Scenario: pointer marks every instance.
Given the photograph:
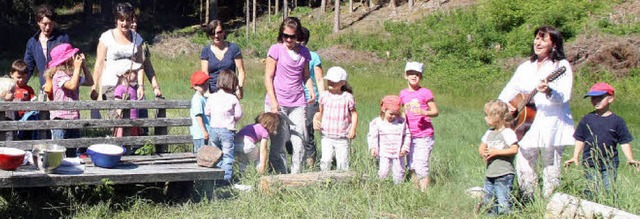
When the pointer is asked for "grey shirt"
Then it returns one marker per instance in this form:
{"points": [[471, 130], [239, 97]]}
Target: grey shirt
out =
{"points": [[500, 140]]}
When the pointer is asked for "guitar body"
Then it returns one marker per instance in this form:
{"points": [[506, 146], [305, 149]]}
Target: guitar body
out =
{"points": [[524, 117]]}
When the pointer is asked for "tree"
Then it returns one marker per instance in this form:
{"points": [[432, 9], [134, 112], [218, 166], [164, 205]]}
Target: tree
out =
{"points": [[246, 15], [277, 6], [336, 17], [253, 24], [323, 6], [269, 6], [392, 4], [350, 6], [285, 9], [410, 3]]}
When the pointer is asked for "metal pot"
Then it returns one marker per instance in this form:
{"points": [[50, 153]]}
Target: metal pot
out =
{"points": [[48, 157]]}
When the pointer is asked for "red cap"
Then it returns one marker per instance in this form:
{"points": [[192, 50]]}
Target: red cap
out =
{"points": [[390, 102], [600, 89], [198, 78]]}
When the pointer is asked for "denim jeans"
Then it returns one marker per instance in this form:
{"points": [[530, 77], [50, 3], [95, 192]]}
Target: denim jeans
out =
{"points": [[498, 190], [607, 175], [223, 139], [197, 144], [68, 134]]}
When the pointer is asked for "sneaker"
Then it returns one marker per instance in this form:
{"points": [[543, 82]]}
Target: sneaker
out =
{"points": [[244, 188]]}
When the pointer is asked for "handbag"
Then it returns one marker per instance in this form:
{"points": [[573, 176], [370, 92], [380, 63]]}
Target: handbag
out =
{"points": [[208, 156]]}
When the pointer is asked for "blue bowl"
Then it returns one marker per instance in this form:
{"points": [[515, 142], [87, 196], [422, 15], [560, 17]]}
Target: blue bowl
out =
{"points": [[105, 155]]}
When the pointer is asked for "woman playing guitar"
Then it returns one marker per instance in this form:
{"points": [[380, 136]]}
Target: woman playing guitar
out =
{"points": [[552, 125]]}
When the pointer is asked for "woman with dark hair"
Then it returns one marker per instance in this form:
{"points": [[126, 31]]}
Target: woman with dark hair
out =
{"points": [[117, 44], [286, 69], [39, 46], [221, 55], [552, 126]]}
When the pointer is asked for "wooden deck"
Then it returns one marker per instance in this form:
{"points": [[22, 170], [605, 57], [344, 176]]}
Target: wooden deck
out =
{"points": [[132, 169]]}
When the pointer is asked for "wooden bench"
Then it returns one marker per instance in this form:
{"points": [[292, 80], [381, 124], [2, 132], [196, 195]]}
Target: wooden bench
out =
{"points": [[160, 167]]}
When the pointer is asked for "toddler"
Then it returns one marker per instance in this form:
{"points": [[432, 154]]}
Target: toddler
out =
{"points": [[498, 148], [247, 138], [127, 72], [337, 119], [23, 92], [420, 107], [389, 139], [199, 128]]}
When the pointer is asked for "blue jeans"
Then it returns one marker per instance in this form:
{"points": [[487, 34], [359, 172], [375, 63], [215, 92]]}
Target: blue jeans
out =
{"points": [[68, 134], [223, 139], [498, 190], [608, 175], [197, 144]]}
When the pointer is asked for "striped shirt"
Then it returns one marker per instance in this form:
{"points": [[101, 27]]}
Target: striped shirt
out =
{"points": [[389, 138], [336, 114]]}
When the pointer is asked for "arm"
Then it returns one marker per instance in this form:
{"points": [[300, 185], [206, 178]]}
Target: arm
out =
{"points": [[317, 118], [151, 75], [237, 111], [560, 90], [241, 75], [626, 149], [101, 52], [354, 124], [482, 149], [319, 75], [576, 154], [28, 58], [406, 142], [200, 122], [269, 74], [509, 152], [372, 138], [88, 79], [432, 111], [308, 83], [262, 167], [139, 59], [74, 82]]}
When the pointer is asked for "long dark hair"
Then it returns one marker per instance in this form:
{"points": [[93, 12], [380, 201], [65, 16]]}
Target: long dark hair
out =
{"points": [[557, 51], [292, 22]]}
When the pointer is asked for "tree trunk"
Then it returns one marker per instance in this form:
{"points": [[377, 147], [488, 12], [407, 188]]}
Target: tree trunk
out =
{"points": [[246, 15], [336, 17], [253, 23], [201, 20], [206, 17], [87, 9], [392, 4], [285, 9], [277, 6], [410, 3], [323, 6], [350, 6], [269, 6]]}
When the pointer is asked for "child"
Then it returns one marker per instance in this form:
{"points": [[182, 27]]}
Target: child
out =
{"points": [[248, 136], [337, 119], [199, 123], [64, 69], [498, 148], [127, 72], [23, 92], [389, 139], [224, 110], [420, 107], [599, 133], [7, 89]]}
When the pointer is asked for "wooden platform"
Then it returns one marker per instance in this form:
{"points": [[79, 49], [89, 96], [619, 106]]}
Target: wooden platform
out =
{"points": [[132, 169]]}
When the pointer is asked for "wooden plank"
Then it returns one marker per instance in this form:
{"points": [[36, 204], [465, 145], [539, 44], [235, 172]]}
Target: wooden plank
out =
{"points": [[566, 206], [121, 174], [89, 104], [86, 142], [92, 123]]}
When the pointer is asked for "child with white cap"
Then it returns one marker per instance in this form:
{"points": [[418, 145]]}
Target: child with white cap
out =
{"points": [[420, 107], [336, 119]]}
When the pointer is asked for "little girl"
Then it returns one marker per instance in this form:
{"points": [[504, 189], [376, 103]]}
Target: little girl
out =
{"points": [[389, 139], [127, 72], [420, 107], [336, 119], [248, 136], [7, 89], [223, 109], [498, 148], [64, 69]]}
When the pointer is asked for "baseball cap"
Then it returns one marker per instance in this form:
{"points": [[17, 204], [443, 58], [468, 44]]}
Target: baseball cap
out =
{"points": [[390, 102], [600, 89], [198, 78], [414, 66], [336, 74]]}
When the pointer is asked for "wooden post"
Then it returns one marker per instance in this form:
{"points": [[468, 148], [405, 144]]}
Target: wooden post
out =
{"points": [[3, 135], [161, 113], [566, 206]]}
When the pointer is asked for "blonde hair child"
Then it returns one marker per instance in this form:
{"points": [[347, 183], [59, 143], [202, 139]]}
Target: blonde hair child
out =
{"points": [[246, 139], [498, 149], [7, 88]]}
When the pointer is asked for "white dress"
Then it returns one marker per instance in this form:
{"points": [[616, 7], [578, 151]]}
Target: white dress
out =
{"points": [[116, 51], [553, 123]]}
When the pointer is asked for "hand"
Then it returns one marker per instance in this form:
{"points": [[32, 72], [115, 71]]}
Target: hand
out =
{"points": [[239, 93], [157, 92], [403, 152], [312, 97], [572, 160], [140, 92], [351, 134], [635, 164], [543, 87], [94, 94], [206, 135], [416, 110], [317, 122], [78, 59], [261, 168], [275, 107], [374, 152], [512, 109], [489, 153]]}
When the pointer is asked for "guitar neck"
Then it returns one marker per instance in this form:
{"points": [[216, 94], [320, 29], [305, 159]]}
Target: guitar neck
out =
{"points": [[527, 100]]}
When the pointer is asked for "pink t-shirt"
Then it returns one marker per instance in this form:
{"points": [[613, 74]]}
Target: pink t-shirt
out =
{"points": [[223, 109], [289, 75], [255, 132], [419, 125], [62, 94]]}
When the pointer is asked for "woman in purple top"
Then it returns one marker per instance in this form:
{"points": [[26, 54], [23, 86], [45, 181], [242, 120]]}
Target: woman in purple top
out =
{"points": [[221, 55], [286, 70]]}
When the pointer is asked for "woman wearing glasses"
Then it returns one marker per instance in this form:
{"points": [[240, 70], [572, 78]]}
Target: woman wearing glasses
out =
{"points": [[221, 55], [286, 69]]}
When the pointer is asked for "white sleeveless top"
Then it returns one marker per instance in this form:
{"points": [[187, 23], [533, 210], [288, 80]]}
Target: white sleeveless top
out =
{"points": [[116, 51]]}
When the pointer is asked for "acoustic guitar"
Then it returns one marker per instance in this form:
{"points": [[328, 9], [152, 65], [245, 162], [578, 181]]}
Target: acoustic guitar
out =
{"points": [[526, 109]]}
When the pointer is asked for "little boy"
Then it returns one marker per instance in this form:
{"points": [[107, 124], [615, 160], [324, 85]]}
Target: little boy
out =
{"points": [[598, 133], [199, 122], [23, 92]]}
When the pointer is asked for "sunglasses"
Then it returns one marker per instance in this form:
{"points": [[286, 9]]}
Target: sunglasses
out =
{"points": [[285, 36], [218, 32]]}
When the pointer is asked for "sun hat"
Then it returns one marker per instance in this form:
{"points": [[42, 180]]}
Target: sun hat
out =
{"points": [[60, 54], [198, 78], [122, 66], [600, 89], [390, 102], [336, 74], [414, 66]]}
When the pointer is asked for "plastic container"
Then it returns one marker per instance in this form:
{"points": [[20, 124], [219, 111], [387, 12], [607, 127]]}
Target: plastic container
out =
{"points": [[11, 158], [105, 155]]}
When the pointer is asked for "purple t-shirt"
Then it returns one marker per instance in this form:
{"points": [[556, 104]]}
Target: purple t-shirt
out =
{"points": [[255, 132], [288, 79], [133, 95], [419, 125]]}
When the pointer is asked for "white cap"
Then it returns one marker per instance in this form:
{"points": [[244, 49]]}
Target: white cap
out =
{"points": [[336, 74], [414, 66], [124, 65]]}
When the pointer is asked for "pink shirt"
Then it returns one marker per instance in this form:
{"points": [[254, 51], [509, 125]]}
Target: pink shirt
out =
{"points": [[289, 75], [62, 94], [223, 110], [419, 125], [254, 132], [336, 114], [389, 138]]}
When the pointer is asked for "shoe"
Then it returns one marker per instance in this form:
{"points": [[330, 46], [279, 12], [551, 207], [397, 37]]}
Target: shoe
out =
{"points": [[311, 162], [478, 208], [244, 188]]}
